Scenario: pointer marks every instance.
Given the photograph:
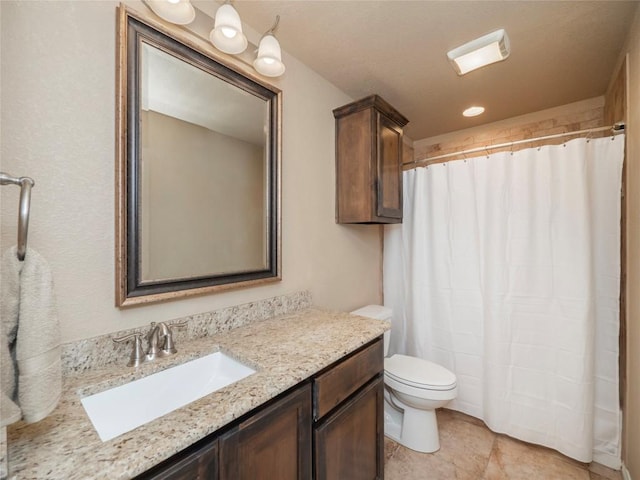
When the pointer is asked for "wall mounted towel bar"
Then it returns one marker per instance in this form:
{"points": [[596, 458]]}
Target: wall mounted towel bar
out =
{"points": [[25, 184]]}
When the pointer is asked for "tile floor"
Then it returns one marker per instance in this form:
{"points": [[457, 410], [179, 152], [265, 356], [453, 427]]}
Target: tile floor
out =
{"points": [[470, 451]]}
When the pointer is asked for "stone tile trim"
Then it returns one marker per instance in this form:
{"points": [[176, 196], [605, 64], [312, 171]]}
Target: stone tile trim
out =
{"points": [[91, 353], [493, 134]]}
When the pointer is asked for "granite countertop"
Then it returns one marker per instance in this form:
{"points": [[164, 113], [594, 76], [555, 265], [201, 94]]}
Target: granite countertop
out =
{"points": [[284, 350]]}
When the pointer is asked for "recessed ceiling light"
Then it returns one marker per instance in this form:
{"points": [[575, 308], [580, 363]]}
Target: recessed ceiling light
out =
{"points": [[473, 111], [482, 51]]}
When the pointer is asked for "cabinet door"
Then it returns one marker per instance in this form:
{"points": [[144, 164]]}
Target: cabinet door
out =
{"points": [[350, 443], [273, 444], [389, 168], [200, 463]]}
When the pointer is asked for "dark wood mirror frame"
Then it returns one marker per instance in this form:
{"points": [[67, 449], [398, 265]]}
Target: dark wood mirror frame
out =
{"points": [[133, 28]]}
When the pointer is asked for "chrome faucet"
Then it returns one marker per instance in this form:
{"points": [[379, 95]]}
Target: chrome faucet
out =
{"points": [[159, 343], [160, 339], [153, 340]]}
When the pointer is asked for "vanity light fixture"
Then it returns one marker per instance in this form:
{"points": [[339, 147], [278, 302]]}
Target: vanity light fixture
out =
{"points": [[491, 48], [269, 59], [473, 111], [227, 34], [180, 12]]}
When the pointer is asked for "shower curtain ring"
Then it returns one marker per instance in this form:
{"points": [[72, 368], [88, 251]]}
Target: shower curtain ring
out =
{"points": [[486, 150]]}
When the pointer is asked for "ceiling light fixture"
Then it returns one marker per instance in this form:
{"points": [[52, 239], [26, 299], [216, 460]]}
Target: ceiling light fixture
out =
{"points": [[269, 59], [482, 51], [473, 111], [180, 12], [227, 34]]}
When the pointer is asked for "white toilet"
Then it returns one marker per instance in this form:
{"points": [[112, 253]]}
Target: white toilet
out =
{"points": [[414, 388]]}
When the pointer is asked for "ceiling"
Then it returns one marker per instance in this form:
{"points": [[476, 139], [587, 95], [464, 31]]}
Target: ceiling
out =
{"points": [[561, 52], [178, 89]]}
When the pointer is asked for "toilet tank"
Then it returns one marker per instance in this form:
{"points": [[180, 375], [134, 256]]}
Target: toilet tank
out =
{"points": [[381, 313]]}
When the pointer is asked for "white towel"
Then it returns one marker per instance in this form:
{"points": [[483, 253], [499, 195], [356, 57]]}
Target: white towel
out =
{"points": [[10, 268], [33, 334]]}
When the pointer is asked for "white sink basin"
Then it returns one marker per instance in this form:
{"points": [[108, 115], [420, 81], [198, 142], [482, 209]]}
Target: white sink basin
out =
{"points": [[120, 409]]}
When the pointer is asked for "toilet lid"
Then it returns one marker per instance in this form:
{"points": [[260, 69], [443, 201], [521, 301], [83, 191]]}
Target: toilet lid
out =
{"points": [[419, 373]]}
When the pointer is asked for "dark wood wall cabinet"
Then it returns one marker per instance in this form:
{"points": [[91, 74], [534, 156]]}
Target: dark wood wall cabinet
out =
{"points": [[369, 162], [328, 427]]}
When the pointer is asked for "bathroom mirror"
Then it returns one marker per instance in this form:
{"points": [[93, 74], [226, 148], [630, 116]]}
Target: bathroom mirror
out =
{"points": [[198, 169]]}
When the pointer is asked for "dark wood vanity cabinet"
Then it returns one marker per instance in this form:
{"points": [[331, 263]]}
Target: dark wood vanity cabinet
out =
{"points": [[350, 442], [348, 418], [328, 427], [199, 462], [369, 162], [273, 444]]}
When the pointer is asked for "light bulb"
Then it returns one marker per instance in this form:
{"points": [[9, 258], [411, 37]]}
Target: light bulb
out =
{"points": [[269, 59], [180, 12], [229, 32]]}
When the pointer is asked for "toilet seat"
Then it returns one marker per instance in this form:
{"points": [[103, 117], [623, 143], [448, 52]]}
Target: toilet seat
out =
{"points": [[418, 373]]}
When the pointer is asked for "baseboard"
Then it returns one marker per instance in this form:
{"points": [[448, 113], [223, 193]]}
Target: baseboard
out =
{"points": [[611, 461], [625, 473]]}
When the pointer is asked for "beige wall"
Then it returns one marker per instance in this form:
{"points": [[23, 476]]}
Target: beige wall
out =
{"points": [[58, 89], [202, 213], [631, 430]]}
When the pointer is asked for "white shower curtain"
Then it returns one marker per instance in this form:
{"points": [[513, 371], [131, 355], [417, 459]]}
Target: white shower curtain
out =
{"points": [[506, 270]]}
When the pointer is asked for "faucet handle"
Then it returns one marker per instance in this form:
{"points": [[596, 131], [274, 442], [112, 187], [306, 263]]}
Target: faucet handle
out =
{"points": [[177, 325], [137, 355], [169, 345]]}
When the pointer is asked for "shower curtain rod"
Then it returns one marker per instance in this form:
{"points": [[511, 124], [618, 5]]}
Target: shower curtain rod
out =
{"points": [[615, 128]]}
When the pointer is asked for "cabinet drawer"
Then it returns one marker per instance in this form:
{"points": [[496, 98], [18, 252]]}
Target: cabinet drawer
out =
{"points": [[334, 386], [349, 444]]}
